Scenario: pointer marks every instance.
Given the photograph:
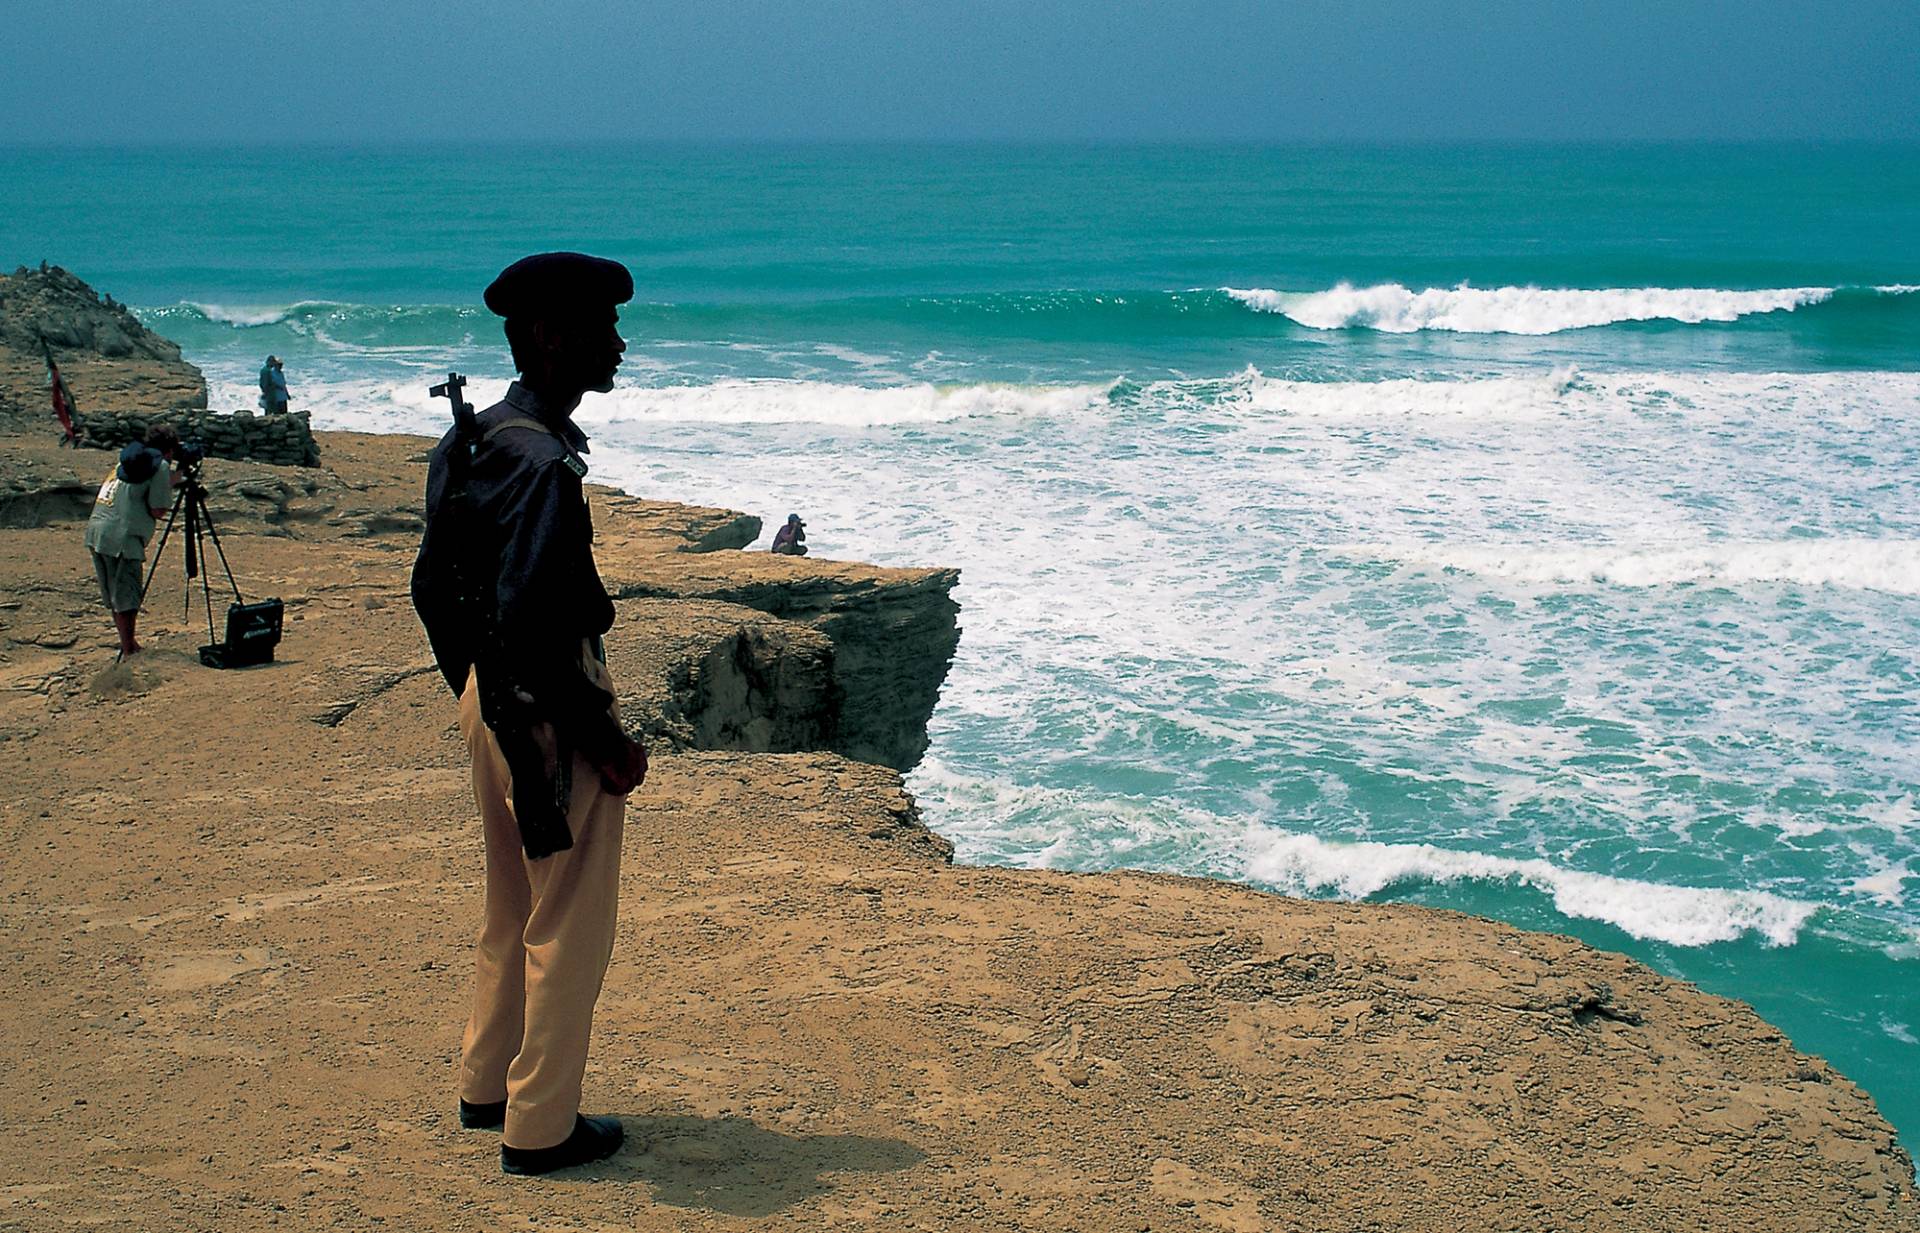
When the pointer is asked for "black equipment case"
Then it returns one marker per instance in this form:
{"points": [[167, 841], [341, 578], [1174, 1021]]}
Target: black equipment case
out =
{"points": [[253, 630]]}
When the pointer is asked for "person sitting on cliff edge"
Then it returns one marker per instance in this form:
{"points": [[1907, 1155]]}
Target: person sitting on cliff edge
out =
{"points": [[791, 539]]}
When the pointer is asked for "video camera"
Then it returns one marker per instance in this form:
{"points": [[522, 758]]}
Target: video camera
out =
{"points": [[253, 630]]}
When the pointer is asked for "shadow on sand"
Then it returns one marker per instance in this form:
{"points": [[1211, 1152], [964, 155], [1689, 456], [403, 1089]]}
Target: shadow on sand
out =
{"points": [[735, 1167]]}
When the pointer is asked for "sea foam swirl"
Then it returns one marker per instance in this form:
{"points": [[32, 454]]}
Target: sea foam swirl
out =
{"points": [[1889, 565], [1394, 309]]}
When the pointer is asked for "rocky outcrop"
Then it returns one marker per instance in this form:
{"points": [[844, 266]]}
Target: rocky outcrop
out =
{"points": [[51, 305], [108, 358], [625, 524], [756, 652], [891, 633], [34, 493], [279, 440], [699, 675], [894, 631]]}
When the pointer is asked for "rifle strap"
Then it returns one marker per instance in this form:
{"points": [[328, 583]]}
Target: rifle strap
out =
{"points": [[518, 421], [572, 460]]}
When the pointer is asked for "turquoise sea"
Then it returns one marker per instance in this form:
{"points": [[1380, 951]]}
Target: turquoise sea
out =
{"points": [[1533, 531]]}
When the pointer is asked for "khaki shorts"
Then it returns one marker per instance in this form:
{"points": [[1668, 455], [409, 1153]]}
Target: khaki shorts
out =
{"points": [[119, 581]]}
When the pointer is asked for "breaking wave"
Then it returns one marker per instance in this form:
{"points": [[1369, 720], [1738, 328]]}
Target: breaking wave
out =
{"points": [[1395, 309], [1068, 315], [248, 317], [1652, 911], [652, 390], [404, 406], [1039, 827]]}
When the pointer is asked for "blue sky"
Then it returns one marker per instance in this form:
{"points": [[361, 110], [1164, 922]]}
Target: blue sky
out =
{"points": [[109, 71]]}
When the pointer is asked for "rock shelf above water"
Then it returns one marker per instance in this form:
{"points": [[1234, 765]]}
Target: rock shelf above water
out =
{"points": [[238, 909]]}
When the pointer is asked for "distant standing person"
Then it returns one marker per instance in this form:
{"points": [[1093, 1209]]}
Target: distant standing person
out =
{"points": [[791, 540], [273, 387], [133, 498]]}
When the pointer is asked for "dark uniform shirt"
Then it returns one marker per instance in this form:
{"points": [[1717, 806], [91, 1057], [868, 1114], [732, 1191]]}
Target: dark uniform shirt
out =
{"points": [[506, 585], [525, 535]]}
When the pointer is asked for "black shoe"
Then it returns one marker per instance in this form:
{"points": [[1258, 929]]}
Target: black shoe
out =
{"points": [[483, 1117], [593, 1138]]}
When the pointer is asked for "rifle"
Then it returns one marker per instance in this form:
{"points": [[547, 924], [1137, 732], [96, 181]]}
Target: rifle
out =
{"points": [[454, 646], [463, 417], [542, 774]]}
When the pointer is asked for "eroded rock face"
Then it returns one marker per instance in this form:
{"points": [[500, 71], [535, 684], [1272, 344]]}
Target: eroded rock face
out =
{"points": [[754, 652], [109, 359], [625, 524], [894, 631], [34, 495], [700, 675], [772, 653]]}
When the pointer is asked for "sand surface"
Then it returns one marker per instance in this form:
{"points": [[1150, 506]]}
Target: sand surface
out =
{"points": [[237, 910]]}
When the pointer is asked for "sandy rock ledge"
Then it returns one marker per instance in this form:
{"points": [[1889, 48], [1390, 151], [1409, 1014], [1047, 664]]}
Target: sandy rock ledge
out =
{"points": [[238, 908]]}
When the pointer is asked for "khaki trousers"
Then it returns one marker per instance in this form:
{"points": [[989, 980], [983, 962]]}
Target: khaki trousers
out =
{"points": [[544, 944]]}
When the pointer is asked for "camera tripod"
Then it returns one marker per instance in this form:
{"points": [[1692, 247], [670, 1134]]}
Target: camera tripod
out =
{"points": [[199, 527]]}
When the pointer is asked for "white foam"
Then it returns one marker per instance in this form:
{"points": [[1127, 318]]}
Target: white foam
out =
{"points": [[820, 402], [1488, 398], [1890, 565], [251, 316], [1396, 309], [360, 406], [1887, 887], [1676, 915], [392, 406], [1152, 586], [1898, 288], [1560, 394]]}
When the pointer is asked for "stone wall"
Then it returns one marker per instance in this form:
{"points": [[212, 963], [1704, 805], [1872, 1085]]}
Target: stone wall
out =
{"points": [[283, 440]]}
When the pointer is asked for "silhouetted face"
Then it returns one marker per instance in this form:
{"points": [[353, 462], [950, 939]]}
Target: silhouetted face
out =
{"points": [[581, 353]]}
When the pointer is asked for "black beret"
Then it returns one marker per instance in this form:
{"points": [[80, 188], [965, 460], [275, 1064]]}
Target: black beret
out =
{"points": [[564, 283]]}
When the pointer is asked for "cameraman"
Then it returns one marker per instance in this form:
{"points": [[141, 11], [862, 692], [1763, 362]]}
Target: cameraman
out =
{"points": [[133, 498]]}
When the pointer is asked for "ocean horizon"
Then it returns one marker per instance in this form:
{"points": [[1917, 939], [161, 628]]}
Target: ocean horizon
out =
{"points": [[1529, 529]]}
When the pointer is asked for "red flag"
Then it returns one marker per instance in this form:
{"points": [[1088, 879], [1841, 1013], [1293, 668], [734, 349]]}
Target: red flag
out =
{"points": [[63, 407]]}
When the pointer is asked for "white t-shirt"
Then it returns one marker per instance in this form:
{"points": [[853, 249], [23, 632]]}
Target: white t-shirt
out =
{"points": [[122, 519]]}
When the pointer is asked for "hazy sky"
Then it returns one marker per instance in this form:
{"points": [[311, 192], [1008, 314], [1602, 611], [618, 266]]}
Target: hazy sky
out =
{"points": [[1042, 70]]}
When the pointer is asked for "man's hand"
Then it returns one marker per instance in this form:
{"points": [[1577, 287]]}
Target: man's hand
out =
{"points": [[625, 770]]}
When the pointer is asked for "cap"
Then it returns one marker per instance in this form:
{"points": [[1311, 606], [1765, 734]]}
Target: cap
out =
{"points": [[546, 283]]}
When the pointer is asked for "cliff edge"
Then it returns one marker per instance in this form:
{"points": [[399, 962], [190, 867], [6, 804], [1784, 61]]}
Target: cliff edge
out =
{"points": [[239, 904]]}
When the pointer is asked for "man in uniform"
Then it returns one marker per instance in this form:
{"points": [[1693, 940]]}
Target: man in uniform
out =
{"points": [[513, 606]]}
